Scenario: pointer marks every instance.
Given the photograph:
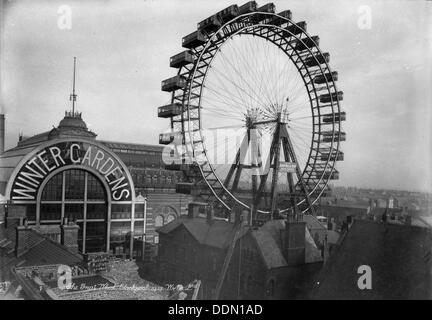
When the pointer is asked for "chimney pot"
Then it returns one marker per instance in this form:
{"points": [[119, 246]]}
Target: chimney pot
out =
{"points": [[210, 214], [69, 236], [194, 209], [294, 242], [22, 239]]}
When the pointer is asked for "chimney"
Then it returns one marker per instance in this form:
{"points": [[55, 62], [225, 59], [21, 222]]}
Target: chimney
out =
{"points": [[408, 220], [294, 242], [69, 235], [22, 242], [194, 209], [210, 214], [2, 133], [232, 216]]}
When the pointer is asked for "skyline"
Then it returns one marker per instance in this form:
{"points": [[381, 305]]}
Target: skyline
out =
{"points": [[123, 53]]}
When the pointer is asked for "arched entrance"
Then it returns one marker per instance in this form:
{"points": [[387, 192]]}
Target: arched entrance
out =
{"points": [[80, 196], [81, 180]]}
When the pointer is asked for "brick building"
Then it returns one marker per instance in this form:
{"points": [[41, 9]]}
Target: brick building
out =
{"points": [[275, 261], [117, 193]]}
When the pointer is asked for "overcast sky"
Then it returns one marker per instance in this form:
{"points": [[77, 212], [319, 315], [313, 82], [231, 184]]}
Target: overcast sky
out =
{"points": [[123, 50]]}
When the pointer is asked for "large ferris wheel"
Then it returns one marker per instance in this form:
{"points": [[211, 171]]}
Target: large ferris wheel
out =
{"points": [[255, 112]]}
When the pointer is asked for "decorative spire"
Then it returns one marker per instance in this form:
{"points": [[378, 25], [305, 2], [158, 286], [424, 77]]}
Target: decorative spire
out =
{"points": [[73, 96]]}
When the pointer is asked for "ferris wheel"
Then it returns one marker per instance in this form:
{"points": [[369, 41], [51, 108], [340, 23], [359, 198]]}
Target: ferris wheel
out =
{"points": [[256, 111]]}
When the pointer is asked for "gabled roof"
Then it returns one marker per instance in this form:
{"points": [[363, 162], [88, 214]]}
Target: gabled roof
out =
{"points": [[268, 237], [45, 251], [312, 222], [400, 258], [40, 250], [270, 241], [218, 233]]}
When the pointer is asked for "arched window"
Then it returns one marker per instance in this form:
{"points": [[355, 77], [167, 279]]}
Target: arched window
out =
{"points": [[249, 284], [270, 288], [170, 218], [242, 282], [159, 221], [70, 194], [214, 263]]}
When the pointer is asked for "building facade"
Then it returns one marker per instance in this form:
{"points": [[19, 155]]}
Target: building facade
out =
{"points": [[278, 260], [117, 193]]}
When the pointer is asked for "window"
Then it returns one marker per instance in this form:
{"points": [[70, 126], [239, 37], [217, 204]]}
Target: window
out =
{"points": [[156, 239], [96, 211], [51, 211], [95, 190], [170, 218], [70, 194], [249, 287], [74, 211], [182, 254], [75, 180], [121, 211], [242, 282], [159, 221], [53, 189], [139, 211], [214, 263], [270, 288]]}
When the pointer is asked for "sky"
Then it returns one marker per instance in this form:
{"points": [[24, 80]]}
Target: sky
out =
{"points": [[382, 51]]}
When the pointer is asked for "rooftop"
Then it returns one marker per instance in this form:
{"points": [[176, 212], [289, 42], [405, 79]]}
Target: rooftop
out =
{"points": [[220, 233], [399, 257]]}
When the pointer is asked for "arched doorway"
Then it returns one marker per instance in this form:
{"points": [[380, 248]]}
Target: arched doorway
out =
{"points": [[80, 196]]}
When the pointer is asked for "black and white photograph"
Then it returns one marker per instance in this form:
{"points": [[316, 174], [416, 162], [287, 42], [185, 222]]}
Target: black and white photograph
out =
{"points": [[213, 150]]}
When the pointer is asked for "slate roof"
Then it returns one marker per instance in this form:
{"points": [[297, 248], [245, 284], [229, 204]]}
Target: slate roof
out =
{"points": [[220, 234], [269, 240], [312, 222], [40, 251], [45, 251], [332, 236], [400, 258]]}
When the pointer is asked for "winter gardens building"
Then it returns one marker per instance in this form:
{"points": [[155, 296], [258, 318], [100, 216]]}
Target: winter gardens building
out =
{"points": [[117, 193]]}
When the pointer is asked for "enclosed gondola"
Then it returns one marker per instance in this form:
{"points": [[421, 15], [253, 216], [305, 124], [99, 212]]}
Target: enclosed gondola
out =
{"points": [[318, 59], [278, 21], [267, 8], [228, 13], [181, 59], [297, 28], [335, 96], [327, 136], [307, 43], [166, 138], [174, 83], [329, 76], [331, 118], [193, 40], [210, 24], [170, 110], [248, 7]]}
